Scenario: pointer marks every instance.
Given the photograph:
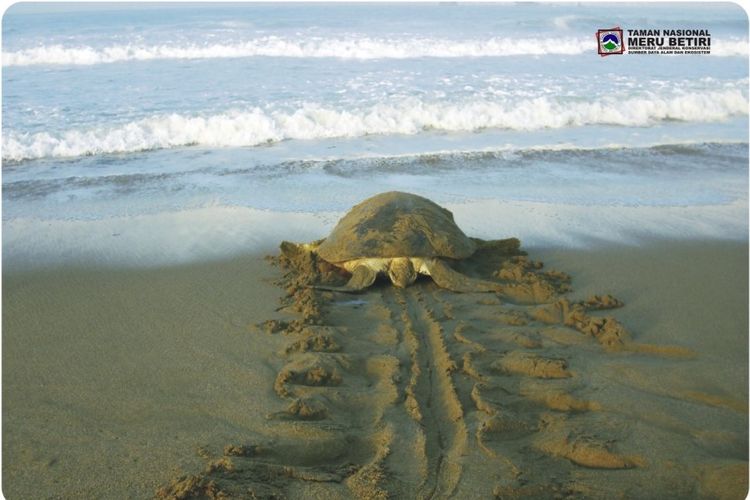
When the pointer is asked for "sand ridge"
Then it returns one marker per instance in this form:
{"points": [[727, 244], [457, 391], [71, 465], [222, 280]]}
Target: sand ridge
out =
{"points": [[425, 393]]}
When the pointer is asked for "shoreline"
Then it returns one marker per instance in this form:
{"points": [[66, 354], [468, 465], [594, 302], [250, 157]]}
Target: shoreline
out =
{"points": [[117, 377], [221, 233]]}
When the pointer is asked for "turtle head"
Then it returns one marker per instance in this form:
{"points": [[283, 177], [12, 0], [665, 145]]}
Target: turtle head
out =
{"points": [[293, 250], [402, 272]]}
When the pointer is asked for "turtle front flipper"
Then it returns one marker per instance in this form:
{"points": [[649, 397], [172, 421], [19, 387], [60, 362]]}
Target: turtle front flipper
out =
{"points": [[447, 278], [362, 277]]}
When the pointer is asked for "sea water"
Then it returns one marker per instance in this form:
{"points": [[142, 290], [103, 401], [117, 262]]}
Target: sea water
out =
{"points": [[149, 134]]}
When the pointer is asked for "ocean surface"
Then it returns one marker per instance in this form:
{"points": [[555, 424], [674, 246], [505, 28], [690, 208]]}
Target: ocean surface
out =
{"points": [[150, 134]]}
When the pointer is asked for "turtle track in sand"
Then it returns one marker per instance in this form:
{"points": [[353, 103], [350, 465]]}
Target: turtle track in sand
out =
{"points": [[424, 393], [431, 398]]}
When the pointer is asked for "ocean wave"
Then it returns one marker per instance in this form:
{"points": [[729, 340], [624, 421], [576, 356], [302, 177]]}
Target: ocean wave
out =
{"points": [[311, 121], [345, 48], [272, 46]]}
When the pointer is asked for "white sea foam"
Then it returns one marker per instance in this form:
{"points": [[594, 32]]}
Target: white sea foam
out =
{"points": [[407, 116], [564, 22], [359, 47], [273, 46]]}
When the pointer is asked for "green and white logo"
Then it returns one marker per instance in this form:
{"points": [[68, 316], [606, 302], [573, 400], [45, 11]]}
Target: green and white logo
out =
{"points": [[610, 41]]}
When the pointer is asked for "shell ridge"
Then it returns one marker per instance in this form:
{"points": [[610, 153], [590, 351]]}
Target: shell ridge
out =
{"points": [[396, 224]]}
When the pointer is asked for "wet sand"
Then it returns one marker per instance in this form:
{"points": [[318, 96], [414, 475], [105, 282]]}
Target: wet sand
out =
{"points": [[173, 381], [113, 379]]}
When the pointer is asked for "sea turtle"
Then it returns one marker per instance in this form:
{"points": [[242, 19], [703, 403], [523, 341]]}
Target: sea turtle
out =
{"points": [[401, 235]]}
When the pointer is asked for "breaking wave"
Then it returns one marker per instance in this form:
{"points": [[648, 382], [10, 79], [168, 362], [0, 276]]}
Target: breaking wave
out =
{"points": [[345, 48], [258, 126], [273, 46]]}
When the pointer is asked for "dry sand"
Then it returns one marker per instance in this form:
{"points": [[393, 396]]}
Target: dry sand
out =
{"points": [[186, 381]]}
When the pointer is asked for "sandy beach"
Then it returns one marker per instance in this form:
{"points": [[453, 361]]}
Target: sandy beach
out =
{"points": [[112, 379], [549, 250], [173, 381]]}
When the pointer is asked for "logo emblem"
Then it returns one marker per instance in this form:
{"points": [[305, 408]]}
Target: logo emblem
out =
{"points": [[610, 41]]}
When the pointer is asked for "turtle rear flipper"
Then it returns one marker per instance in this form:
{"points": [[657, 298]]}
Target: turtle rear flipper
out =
{"points": [[362, 277], [447, 278]]}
